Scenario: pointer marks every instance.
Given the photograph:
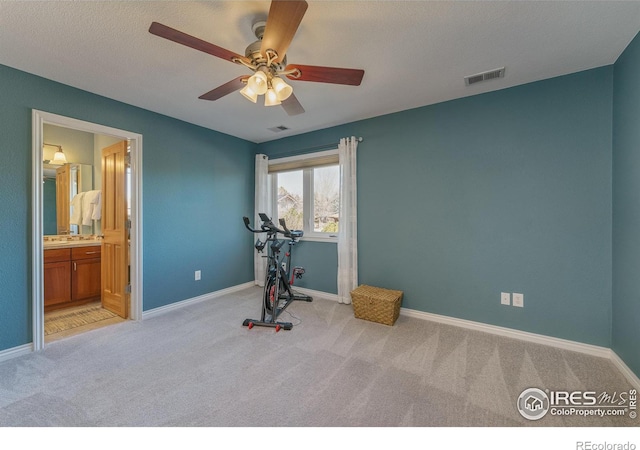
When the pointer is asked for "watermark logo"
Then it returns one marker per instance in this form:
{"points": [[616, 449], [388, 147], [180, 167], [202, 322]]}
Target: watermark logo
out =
{"points": [[588, 445], [534, 403]]}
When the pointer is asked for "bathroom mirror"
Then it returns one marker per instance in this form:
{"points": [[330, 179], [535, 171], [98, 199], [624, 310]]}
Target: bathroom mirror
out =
{"points": [[61, 185], [83, 153]]}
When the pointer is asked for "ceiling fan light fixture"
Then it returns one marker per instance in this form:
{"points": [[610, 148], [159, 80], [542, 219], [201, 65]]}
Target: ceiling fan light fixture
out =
{"points": [[258, 82], [271, 98], [282, 89], [249, 94], [266, 58]]}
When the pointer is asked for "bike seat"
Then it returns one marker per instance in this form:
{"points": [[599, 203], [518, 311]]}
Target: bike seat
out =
{"points": [[296, 234]]}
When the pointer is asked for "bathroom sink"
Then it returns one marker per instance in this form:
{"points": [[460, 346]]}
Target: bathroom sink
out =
{"points": [[72, 243]]}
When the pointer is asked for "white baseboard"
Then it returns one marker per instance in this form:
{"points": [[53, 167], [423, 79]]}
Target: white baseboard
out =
{"points": [[594, 350], [28, 348], [602, 352], [190, 301], [564, 344], [318, 294], [628, 373], [14, 352]]}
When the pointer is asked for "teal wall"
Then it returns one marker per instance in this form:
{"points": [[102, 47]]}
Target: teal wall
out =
{"points": [[626, 207], [531, 189], [197, 185], [506, 191], [320, 261]]}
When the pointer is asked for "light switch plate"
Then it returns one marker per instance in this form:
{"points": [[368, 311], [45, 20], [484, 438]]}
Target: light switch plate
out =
{"points": [[505, 298]]}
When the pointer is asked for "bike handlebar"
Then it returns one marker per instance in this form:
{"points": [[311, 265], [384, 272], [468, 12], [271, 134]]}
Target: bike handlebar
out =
{"points": [[268, 227], [293, 234], [246, 224], [283, 224]]}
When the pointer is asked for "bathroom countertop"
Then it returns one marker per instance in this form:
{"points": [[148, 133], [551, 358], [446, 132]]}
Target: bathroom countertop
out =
{"points": [[70, 244]]}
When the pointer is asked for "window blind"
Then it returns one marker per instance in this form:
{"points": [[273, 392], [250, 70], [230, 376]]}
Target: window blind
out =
{"points": [[303, 163]]}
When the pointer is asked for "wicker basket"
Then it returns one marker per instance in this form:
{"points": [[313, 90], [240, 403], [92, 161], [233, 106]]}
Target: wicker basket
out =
{"points": [[376, 304]]}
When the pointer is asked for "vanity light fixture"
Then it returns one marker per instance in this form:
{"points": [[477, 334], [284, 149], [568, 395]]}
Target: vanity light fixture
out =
{"points": [[59, 158]]}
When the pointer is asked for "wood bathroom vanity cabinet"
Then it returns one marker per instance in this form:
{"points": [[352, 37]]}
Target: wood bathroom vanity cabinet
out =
{"points": [[71, 276]]}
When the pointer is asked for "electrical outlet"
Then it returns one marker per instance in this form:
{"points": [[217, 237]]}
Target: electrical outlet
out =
{"points": [[518, 300], [505, 298], [198, 275]]}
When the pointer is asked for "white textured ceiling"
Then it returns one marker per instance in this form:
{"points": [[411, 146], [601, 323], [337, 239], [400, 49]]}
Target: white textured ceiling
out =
{"points": [[414, 53]]}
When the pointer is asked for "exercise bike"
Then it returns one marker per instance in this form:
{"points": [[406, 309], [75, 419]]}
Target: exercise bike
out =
{"points": [[279, 276]]}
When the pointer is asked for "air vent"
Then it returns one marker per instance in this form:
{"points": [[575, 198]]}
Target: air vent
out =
{"points": [[278, 129], [484, 76]]}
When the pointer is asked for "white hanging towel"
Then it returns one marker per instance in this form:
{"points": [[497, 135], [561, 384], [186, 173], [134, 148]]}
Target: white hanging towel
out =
{"points": [[89, 203], [76, 209], [96, 214]]}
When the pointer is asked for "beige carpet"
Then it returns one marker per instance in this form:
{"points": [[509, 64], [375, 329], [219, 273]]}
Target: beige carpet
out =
{"points": [[198, 366], [67, 319]]}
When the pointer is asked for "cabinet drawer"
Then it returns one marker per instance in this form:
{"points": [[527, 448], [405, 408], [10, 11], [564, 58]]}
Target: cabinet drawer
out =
{"points": [[85, 252], [57, 254]]}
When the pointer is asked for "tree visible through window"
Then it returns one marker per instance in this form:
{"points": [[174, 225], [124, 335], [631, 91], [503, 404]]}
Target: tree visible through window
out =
{"points": [[309, 199], [326, 199], [290, 199]]}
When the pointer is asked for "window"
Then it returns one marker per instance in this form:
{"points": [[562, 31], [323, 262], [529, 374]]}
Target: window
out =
{"points": [[306, 191], [290, 198]]}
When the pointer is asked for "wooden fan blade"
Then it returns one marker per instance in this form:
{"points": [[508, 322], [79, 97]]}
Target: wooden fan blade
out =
{"points": [[225, 89], [282, 23], [198, 44], [292, 106], [336, 75]]}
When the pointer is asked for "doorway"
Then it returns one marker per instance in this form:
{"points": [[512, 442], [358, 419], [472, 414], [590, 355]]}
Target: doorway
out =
{"points": [[41, 119]]}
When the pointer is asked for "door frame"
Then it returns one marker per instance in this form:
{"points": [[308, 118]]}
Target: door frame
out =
{"points": [[39, 118]]}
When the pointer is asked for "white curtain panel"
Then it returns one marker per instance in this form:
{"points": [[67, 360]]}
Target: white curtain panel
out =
{"points": [[348, 231], [262, 205]]}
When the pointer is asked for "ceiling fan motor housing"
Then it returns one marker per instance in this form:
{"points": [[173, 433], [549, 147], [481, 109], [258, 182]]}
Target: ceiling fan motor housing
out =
{"points": [[253, 51], [254, 54]]}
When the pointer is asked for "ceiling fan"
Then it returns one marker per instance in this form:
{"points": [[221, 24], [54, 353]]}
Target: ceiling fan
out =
{"points": [[267, 58]]}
